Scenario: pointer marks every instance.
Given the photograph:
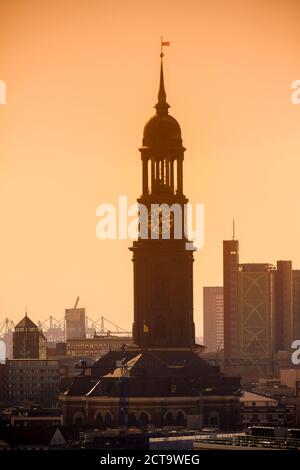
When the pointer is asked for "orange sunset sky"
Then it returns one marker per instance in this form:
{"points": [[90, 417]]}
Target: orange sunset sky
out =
{"points": [[82, 80]]}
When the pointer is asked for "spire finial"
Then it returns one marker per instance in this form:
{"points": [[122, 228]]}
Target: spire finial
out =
{"points": [[233, 229], [162, 105]]}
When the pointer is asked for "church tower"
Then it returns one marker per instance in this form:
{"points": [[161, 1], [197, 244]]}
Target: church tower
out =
{"points": [[161, 380], [162, 263]]}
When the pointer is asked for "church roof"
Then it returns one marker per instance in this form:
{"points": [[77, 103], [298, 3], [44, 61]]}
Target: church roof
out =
{"points": [[81, 385], [151, 373]]}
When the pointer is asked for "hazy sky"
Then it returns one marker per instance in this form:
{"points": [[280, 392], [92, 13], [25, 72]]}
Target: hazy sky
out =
{"points": [[82, 80]]}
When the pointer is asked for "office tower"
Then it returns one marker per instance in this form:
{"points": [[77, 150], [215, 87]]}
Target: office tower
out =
{"points": [[283, 318], [230, 292], [256, 297], [213, 318]]}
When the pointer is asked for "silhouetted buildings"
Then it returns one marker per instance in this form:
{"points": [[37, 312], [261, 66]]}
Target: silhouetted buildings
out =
{"points": [[28, 341], [2, 383], [33, 438], [213, 318], [260, 410], [255, 313], [296, 302], [285, 388], [97, 346], [261, 314], [230, 293], [161, 380], [283, 315], [32, 381]]}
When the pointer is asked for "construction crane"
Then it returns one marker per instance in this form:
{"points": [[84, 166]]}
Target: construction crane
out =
{"points": [[53, 329], [50, 323], [100, 327], [6, 326]]}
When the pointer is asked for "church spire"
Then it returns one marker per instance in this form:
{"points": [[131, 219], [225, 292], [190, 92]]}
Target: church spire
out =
{"points": [[162, 106]]}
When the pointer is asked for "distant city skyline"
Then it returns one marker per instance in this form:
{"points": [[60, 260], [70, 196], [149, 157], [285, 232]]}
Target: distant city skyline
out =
{"points": [[71, 129]]}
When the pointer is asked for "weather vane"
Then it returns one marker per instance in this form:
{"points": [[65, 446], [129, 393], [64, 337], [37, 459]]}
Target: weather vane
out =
{"points": [[163, 44]]}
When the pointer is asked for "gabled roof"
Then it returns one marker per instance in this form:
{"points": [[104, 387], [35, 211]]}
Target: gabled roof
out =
{"points": [[257, 398], [57, 438]]}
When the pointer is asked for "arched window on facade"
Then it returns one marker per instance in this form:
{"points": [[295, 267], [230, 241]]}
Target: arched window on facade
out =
{"points": [[143, 420], [107, 420], [169, 419], [131, 420], [180, 419], [79, 418]]}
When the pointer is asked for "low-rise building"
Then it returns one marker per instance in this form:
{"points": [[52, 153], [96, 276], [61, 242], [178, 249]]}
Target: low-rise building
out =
{"points": [[291, 378], [32, 381], [97, 346], [32, 438], [258, 409], [36, 417]]}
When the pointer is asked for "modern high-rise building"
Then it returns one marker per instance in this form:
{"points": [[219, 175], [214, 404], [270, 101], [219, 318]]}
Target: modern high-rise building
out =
{"points": [[213, 318], [296, 303], [230, 292], [256, 309], [261, 312]]}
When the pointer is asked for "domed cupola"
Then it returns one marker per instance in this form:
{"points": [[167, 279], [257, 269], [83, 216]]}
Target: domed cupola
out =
{"points": [[162, 131]]}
